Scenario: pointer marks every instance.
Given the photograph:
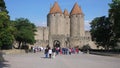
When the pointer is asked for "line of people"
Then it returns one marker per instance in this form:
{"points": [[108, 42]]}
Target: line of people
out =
{"points": [[51, 53]]}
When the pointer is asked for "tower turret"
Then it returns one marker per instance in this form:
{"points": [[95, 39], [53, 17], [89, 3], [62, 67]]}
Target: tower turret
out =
{"points": [[66, 12], [76, 22], [55, 21], [77, 31]]}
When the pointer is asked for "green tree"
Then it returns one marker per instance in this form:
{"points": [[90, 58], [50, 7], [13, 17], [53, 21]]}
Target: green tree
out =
{"points": [[101, 31], [25, 31], [6, 37], [2, 6], [114, 15]]}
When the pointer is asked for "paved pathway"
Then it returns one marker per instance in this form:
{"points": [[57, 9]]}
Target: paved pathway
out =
{"points": [[36, 60]]}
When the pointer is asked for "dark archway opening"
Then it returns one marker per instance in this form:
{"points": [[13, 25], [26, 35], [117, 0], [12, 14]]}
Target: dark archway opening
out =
{"points": [[56, 43]]}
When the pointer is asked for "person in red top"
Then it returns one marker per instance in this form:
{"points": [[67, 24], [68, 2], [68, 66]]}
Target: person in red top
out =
{"points": [[77, 50], [60, 51]]}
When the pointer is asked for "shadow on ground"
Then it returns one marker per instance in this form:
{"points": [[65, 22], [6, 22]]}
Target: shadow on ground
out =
{"points": [[3, 62]]}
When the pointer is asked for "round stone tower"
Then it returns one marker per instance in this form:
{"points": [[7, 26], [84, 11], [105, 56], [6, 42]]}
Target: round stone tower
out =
{"points": [[53, 18], [55, 22], [76, 22], [77, 31]]}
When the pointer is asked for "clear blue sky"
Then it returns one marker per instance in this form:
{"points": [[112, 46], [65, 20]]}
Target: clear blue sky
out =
{"points": [[36, 10]]}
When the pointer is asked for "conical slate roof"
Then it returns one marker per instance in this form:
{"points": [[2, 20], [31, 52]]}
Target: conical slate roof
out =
{"points": [[66, 12], [76, 10], [55, 9]]}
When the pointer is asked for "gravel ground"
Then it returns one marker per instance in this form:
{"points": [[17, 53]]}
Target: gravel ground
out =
{"points": [[37, 60]]}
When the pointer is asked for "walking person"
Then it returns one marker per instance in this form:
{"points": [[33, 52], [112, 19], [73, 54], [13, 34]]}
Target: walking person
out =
{"points": [[70, 50], [46, 53], [77, 50], [50, 52], [54, 52]]}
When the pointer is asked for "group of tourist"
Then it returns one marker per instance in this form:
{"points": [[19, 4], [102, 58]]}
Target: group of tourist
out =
{"points": [[36, 49], [51, 53]]}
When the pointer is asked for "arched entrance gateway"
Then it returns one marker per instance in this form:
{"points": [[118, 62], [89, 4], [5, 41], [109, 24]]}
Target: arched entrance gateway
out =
{"points": [[56, 43]]}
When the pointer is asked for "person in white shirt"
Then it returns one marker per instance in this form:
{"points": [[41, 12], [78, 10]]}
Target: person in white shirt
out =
{"points": [[50, 52]]}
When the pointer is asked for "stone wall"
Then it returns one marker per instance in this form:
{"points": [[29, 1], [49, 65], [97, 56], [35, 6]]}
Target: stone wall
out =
{"points": [[46, 33], [39, 33], [41, 36], [88, 35], [67, 26]]}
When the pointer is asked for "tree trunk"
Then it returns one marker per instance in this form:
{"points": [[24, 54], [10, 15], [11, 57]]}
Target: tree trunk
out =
{"points": [[19, 45]]}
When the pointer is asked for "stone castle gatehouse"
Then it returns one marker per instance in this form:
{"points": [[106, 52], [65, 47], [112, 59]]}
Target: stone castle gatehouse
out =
{"points": [[64, 29]]}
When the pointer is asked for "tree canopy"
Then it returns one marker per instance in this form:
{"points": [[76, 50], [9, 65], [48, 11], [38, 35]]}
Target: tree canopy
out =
{"points": [[106, 30], [101, 31], [2, 6], [25, 31], [6, 37], [21, 30], [114, 15]]}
